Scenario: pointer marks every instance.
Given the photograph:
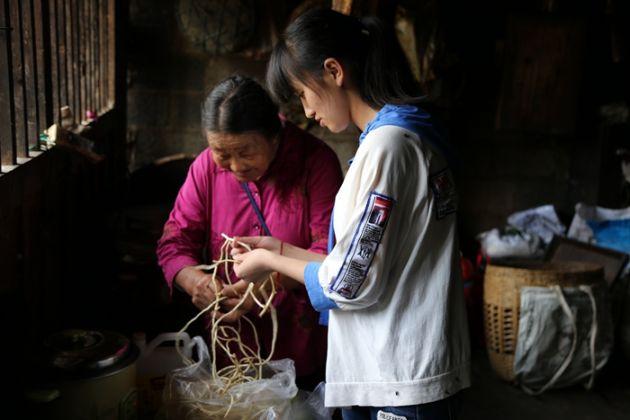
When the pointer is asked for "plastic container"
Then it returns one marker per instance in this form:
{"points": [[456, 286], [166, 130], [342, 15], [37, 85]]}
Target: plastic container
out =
{"points": [[157, 359]]}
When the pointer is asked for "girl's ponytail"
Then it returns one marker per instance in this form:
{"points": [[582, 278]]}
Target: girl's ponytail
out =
{"points": [[367, 48], [387, 77]]}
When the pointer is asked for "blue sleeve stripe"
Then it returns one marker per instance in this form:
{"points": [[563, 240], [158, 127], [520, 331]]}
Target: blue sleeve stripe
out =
{"points": [[319, 300]]}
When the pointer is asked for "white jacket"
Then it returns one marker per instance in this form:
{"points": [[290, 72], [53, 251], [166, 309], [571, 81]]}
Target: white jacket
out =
{"points": [[399, 336]]}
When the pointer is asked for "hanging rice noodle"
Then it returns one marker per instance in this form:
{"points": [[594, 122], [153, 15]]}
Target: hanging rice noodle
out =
{"points": [[251, 386]]}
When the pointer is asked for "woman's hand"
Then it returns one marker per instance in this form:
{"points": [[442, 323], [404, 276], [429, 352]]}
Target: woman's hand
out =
{"points": [[204, 290], [253, 266], [234, 294]]}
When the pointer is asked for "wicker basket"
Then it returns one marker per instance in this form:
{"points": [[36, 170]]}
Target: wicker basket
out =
{"points": [[501, 299]]}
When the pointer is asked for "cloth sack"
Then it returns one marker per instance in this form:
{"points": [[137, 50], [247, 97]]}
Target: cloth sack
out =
{"points": [[565, 336]]}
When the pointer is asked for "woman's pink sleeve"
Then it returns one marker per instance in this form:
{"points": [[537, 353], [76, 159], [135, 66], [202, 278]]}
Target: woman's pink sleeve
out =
{"points": [[324, 180], [184, 234]]}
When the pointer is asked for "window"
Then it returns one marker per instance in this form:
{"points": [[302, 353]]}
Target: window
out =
{"points": [[53, 54]]}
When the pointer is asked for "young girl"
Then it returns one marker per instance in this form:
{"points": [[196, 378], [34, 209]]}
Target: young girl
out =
{"points": [[397, 343]]}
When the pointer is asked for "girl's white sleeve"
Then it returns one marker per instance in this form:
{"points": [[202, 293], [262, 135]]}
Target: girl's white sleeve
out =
{"points": [[382, 179]]}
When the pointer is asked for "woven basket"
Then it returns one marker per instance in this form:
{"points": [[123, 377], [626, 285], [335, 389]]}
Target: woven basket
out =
{"points": [[501, 299]]}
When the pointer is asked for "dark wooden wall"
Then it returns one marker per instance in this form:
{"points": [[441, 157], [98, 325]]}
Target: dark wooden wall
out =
{"points": [[57, 227]]}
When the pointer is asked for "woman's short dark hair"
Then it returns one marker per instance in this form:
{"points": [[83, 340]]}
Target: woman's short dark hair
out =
{"points": [[367, 48], [239, 104]]}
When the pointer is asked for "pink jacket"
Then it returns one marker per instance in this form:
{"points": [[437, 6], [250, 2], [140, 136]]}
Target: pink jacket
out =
{"points": [[296, 197]]}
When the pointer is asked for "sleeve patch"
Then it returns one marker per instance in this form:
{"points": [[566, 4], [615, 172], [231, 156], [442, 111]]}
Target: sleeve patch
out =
{"points": [[444, 193], [365, 242]]}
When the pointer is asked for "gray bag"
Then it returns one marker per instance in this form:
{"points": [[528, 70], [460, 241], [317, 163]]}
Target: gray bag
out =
{"points": [[564, 337]]}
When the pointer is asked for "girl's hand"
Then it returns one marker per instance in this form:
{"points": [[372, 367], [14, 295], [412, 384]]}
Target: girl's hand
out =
{"points": [[256, 242], [252, 266], [205, 290]]}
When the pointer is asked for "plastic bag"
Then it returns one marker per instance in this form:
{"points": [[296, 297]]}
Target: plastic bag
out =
{"points": [[564, 336], [315, 402], [510, 243], [310, 405], [540, 221], [191, 392], [609, 228]]}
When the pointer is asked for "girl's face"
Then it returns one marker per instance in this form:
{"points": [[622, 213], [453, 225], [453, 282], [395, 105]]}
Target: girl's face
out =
{"points": [[246, 155], [326, 102]]}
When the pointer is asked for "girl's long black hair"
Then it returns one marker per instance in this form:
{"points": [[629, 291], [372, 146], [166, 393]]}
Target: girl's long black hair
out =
{"points": [[367, 48], [239, 104]]}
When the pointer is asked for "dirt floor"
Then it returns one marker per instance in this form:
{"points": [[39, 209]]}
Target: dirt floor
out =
{"points": [[489, 398]]}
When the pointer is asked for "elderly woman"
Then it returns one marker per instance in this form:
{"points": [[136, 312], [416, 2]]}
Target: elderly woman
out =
{"points": [[261, 175]]}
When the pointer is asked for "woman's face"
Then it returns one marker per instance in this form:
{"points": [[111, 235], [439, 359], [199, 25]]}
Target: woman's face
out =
{"points": [[326, 102], [246, 155]]}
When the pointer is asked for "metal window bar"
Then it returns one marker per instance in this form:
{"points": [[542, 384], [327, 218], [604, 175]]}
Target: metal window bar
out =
{"points": [[73, 67], [44, 73], [97, 55], [19, 85], [63, 58], [89, 19], [31, 103], [54, 83], [7, 127], [81, 50], [111, 52]]}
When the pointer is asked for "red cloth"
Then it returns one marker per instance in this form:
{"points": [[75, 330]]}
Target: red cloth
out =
{"points": [[296, 197]]}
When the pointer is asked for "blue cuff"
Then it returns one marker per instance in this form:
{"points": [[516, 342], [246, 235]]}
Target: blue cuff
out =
{"points": [[319, 300], [323, 318]]}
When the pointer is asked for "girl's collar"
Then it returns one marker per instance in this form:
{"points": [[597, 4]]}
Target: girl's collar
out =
{"points": [[386, 109]]}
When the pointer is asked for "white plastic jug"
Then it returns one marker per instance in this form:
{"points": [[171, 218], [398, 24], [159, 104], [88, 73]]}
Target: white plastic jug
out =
{"points": [[156, 360]]}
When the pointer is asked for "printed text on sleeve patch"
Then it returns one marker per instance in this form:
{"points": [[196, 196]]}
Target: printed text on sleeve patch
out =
{"points": [[367, 237], [444, 193]]}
